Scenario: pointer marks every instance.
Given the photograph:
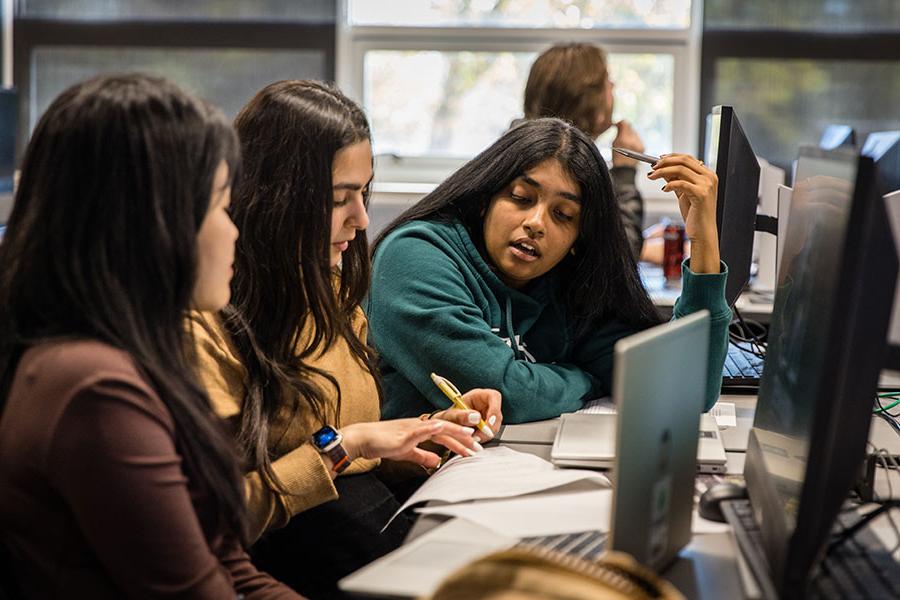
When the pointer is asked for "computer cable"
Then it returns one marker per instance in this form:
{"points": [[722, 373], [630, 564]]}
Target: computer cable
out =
{"points": [[849, 532], [883, 397], [745, 333], [895, 396], [887, 461]]}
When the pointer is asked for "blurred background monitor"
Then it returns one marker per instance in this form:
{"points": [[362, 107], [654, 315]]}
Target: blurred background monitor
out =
{"points": [[730, 155], [837, 136], [884, 148], [8, 119], [892, 202], [831, 310]]}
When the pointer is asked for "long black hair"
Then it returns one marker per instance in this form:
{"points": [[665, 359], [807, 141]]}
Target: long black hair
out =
{"points": [[102, 244], [283, 284], [600, 280]]}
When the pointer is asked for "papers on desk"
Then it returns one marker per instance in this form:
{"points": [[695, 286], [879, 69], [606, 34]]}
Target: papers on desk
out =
{"points": [[598, 406], [544, 513], [725, 414], [497, 473], [416, 569]]}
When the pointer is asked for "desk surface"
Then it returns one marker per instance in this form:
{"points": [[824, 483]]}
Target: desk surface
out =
{"points": [[710, 566]]}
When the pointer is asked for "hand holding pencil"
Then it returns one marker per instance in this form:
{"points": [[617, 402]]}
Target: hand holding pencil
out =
{"points": [[478, 408]]}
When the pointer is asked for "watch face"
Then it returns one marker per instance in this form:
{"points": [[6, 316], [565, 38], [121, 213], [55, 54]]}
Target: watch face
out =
{"points": [[324, 436]]}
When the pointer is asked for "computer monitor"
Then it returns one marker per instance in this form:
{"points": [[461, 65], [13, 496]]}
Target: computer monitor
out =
{"points": [[8, 118], [892, 360], [837, 136], [826, 342], [730, 155], [884, 148]]}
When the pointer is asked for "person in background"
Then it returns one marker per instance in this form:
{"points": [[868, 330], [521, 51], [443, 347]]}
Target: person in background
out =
{"points": [[118, 480], [516, 273], [290, 357], [571, 82]]}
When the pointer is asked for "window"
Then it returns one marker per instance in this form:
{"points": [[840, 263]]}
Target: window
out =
{"points": [[791, 68], [442, 79], [222, 50]]}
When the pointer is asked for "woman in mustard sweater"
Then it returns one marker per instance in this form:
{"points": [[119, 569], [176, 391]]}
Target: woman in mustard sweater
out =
{"points": [[290, 357]]}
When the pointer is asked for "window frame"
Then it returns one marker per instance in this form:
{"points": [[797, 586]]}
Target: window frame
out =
{"points": [[32, 32], [683, 44], [786, 44]]}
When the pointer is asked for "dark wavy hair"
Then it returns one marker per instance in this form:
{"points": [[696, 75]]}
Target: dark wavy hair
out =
{"points": [[102, 244], [600, 280], [290, 132]]}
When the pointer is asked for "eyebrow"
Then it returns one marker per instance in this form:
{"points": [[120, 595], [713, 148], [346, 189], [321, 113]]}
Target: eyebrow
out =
{"points": [[564, 194], [352, 186]]}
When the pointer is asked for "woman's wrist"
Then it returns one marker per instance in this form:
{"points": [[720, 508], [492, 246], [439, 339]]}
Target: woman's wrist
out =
{"points": [[350, 441]]}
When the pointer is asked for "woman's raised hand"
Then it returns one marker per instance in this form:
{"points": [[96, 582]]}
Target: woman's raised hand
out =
{"points": [[696, 187]]}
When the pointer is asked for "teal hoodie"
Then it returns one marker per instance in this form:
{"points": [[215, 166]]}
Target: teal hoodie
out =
{"points": [[435, 305]]}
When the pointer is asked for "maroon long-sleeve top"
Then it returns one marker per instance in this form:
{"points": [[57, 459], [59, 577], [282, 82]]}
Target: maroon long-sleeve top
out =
{"points": [[95, 499]]}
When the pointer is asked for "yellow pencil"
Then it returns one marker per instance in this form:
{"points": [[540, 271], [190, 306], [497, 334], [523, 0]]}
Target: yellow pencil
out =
{"points": [[456, 398]]}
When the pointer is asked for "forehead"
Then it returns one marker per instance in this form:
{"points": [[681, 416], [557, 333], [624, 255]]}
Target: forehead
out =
{"points": [[355, 157], [550, 175]]}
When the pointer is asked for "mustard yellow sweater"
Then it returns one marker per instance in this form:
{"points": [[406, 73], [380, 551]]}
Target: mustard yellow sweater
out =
{"points": [[297, 463]]}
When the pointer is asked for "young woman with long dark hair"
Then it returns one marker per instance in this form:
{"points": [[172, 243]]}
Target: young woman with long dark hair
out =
{"points": [[118, 480], [289, 358], [515, 274]]}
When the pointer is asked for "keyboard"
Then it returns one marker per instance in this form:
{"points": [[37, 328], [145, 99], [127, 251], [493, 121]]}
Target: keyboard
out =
{"points": [[585, 544], [742, 368], [860, 567]]}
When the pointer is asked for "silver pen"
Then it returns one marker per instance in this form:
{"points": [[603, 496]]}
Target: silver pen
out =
{"points": [[637, 155]]}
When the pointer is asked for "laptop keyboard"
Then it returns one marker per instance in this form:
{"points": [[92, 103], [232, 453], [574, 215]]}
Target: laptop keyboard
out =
{"points": [[585, 544], [858, 568], [741, 368]]}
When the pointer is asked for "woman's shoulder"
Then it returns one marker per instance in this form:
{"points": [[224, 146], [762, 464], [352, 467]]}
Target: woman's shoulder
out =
{"points": [[55, 373], [210, 339], [71, 363], [437, 233]]}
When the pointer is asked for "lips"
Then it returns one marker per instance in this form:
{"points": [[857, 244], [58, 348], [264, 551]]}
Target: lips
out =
{"points": [[525, 249]]}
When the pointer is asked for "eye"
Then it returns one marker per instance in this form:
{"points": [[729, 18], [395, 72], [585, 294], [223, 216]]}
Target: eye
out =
{"points": [[518, 199], [342, 201], [563, 216]]}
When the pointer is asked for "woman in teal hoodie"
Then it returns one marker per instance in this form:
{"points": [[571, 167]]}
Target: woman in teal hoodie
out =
{"points": [[515, 274]]}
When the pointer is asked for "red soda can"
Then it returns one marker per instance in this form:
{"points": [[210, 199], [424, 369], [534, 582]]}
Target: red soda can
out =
{"points": [[673, 251]]}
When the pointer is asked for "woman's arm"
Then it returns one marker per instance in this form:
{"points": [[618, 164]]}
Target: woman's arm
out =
{"points": [[703, 274], [115, 463]]}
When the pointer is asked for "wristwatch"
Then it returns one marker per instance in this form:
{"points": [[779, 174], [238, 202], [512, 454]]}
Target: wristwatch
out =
{"points": [[328, 442]]}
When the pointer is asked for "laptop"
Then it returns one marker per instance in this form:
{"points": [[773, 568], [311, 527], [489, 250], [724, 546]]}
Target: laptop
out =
{"points": [[588, 441], [654, 491]]}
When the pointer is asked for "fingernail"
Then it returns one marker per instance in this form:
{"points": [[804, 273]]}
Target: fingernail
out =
{"points": [[487, 431], [478, 446], [492, 420], [468, 430], [470, 452], [473, 418]]}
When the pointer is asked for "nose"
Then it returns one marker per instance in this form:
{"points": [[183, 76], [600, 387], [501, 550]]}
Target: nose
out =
{"points": [[534, 221], [358, 217]]}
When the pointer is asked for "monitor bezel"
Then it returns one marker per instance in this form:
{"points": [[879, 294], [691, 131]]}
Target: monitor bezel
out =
{"points": [[838, 434]]}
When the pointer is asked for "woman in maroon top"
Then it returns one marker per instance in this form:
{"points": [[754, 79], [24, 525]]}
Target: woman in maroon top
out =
{"points": [[117, 479]]}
